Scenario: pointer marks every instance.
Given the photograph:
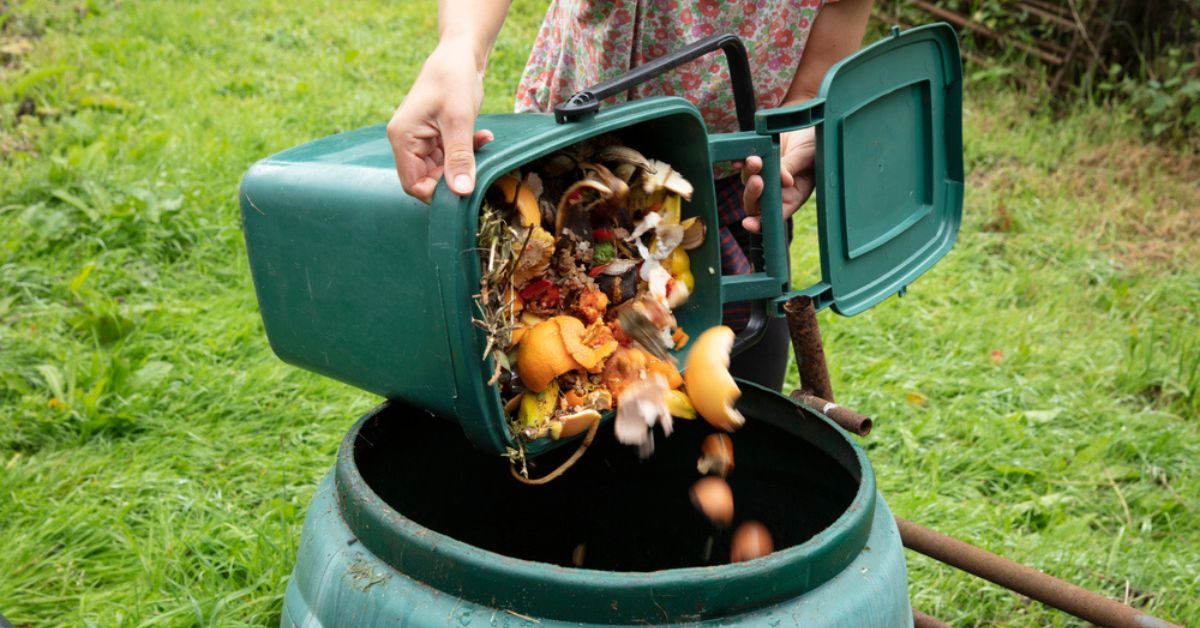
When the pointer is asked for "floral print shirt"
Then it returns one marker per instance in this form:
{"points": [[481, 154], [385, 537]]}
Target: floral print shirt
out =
{"points": [[584, 42]]}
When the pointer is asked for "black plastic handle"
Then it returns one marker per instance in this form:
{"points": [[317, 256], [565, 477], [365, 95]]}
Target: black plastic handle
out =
{"points": [[756, 326], [588, 101]]}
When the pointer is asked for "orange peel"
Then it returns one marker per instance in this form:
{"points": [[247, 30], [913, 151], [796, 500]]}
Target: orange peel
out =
{"points": [[508, 185], [709, 384], [680, 338], [527, 206], [664, 368], [542, 356], [522, 195], [588, 346], [573, 398]]}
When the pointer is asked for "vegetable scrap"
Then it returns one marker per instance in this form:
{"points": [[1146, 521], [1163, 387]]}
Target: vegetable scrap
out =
{"points": [[584, 260]]}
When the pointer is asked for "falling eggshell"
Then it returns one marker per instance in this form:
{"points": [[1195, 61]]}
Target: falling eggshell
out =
{"points": [[751, 540], [714, 498], [716, 456], [708, 382]]}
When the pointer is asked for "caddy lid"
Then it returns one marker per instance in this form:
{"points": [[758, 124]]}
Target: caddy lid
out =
{"points": [[889, 172]]}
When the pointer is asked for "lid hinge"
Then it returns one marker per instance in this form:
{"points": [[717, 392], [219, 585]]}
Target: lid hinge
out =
{"points": [[821, 295]]}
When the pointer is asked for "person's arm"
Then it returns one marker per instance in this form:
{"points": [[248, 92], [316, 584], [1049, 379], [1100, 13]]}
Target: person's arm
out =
{"points": [[431, 131], [836, 34]]}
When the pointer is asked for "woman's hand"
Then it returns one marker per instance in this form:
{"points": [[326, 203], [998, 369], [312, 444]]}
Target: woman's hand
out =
{"points": [[431, 131], [796, 152]]}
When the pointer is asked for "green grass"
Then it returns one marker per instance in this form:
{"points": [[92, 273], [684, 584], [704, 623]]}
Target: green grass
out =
{"points": [[1035, 394]]}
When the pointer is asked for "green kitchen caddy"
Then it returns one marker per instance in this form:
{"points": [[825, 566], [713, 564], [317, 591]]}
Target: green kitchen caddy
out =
{"points": [[364, 284]]}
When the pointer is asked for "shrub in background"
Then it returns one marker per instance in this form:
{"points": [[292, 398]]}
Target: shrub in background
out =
{"points": [[1140, 55]]}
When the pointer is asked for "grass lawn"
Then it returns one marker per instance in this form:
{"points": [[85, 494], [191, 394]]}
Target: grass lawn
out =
{"points": [[1037, 393]]}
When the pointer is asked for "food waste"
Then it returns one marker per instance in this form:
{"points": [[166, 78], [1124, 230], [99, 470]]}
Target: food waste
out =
{"points": [[585, 259]]}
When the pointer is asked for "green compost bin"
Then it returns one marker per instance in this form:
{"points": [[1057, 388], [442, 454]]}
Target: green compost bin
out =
{"points": [[359, 282], [405, 534]]}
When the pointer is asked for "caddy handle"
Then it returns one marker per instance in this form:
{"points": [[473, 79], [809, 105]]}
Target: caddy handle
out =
{"points": [[768, 283], [587, 101]]}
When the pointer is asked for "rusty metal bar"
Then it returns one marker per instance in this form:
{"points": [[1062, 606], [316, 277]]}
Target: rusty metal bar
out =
{"points": [[806, 341], [1025, 580], [921, 620], [848, 419]]}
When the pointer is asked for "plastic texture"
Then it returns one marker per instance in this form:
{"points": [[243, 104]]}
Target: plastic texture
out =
{"points": [[363, 562], [889, 164]]}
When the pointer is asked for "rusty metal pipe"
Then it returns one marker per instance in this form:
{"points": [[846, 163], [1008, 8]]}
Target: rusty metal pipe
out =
{"points": [[921, 620], [848, 419], [806, 341], [1025, 580]]}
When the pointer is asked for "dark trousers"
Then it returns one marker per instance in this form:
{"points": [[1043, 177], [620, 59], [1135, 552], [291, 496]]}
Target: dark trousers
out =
{"points": [[766, 362]]}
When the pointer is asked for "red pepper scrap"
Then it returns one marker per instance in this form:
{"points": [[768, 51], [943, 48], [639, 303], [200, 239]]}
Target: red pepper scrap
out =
{"points": [[543, 291]]}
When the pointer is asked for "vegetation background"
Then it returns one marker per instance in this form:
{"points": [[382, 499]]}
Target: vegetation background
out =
{"points": [[1036, 393]]}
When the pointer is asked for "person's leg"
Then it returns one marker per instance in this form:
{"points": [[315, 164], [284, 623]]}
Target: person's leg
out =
{"points": [[765, 363]]}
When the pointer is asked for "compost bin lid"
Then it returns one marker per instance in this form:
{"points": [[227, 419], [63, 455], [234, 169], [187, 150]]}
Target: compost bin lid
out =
{"points": [[889, 171]]}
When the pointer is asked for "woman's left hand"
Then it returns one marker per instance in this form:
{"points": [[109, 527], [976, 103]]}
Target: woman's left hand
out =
{"points": [[796, 152]]}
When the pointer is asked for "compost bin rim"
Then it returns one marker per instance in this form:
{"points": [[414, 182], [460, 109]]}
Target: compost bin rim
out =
{"points": [[497, 580]]}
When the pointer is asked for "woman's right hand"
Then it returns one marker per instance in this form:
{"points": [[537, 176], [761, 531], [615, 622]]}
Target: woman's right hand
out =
{"points": [[431, 131]]}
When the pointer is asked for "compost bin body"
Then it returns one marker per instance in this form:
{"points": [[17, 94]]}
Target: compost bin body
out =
{"points": [[401, 533]]}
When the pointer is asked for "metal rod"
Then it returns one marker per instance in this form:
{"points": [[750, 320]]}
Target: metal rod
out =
{"points": [[1025, 580], [806, 341], [921, 620], [848, 419]]}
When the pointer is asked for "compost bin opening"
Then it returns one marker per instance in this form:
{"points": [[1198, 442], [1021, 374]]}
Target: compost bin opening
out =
{"points": [[627, 514]]}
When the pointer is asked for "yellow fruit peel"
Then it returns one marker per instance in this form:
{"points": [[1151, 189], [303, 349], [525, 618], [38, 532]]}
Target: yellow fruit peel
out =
{"points": [[709, 385]]}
